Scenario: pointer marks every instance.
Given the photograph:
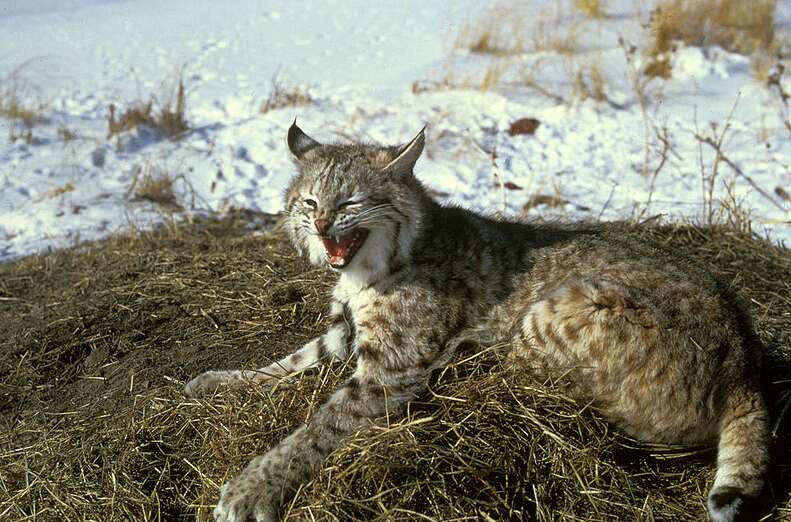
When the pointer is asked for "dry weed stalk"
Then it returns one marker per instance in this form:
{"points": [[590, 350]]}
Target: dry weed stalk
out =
{"points": [[588, 82], [529, 79], [494, 73], [715, 210], [663, 153], [639, 84], [716, 145], [774, 82], [491, 154], [707, 180]]}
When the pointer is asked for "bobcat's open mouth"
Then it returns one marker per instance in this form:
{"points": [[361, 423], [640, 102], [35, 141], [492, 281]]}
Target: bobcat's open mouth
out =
{"points": [[341, 249]]}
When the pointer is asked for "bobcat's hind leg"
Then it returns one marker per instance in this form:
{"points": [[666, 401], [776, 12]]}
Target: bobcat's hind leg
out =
{"points": [[597, 341], [578, 322]]}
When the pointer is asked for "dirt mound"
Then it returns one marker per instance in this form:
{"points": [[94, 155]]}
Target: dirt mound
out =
{"points": [[96, 343]]}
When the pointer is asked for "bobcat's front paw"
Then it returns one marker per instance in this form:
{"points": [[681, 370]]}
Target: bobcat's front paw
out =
{"points": [[245, 498], [208, 382]]}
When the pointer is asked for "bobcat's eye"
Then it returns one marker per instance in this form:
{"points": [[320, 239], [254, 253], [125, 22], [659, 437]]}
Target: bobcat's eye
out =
{"points": [[308, 202], [346, 204]]}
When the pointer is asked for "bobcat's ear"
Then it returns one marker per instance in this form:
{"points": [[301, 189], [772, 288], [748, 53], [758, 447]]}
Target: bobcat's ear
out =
{"points": [[407, 155], [300, 143]]}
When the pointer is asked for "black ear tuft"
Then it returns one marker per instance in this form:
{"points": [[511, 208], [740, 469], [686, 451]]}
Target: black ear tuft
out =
{"points": [[408, 155], [300, 143]]}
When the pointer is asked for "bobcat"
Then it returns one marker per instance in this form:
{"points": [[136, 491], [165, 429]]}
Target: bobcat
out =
{"points": [[658, 345]]}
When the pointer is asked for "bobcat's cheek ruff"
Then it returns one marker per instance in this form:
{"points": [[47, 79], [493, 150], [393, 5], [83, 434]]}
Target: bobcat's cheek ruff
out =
{"points": [[341, 249]]}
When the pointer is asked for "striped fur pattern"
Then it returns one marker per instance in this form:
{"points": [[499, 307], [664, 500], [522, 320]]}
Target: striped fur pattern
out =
{"points": [[663, 350]]}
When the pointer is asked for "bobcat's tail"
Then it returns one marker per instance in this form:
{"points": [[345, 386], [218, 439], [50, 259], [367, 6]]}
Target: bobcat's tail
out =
{"points": [[742, 457]]}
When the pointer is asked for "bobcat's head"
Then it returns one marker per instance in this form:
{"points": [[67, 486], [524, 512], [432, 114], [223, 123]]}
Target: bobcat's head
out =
{"points": [[355, 207]]}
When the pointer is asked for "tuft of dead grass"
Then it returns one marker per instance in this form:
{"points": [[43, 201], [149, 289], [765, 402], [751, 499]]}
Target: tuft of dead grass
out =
{"points": [[659, 65], [167, 117], [58, 191], [735, 25], [549, 36], [66, 134], [493, 74], [589, 83], [21, 104], [496, 31], [155, 185], [12, 107], [96, 342], [592, 8], [283, 95]]}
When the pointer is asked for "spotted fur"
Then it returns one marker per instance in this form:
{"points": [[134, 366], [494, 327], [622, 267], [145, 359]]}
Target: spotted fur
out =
{"points": [[661, 348]]}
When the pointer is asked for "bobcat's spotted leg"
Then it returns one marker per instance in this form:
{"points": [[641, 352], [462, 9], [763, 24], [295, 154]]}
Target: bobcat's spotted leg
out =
{"points": [[395, 357], [269, 480], [332, 346]]}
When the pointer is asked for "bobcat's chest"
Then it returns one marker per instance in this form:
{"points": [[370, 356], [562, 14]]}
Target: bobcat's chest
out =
{"points": [[390, 327], [361, 306], [370, 318]]}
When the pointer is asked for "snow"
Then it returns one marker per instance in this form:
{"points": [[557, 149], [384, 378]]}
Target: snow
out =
{"points": [[358, 60]]}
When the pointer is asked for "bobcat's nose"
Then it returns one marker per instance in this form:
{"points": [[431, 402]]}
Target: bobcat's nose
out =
{"points": [[323, 225]]}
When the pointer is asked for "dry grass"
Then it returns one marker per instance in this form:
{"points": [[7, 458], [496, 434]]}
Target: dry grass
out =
{"points": [[735, 25], [66, 134], [494, 73], [498, 67], [497, 31], [12, 107], [505, 30], [592, 8], [728, 210], [155, 185], [549, 36], [509, 28], [589, 83], [761, 65], [95, 344], [21, 104], [658, 66], [167, 117], [282, 95], [544, 200], [58, 191]]}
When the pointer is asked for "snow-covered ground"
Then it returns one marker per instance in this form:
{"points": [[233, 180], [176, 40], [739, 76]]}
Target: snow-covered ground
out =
{"points": [[66, 181]]}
